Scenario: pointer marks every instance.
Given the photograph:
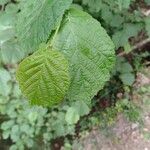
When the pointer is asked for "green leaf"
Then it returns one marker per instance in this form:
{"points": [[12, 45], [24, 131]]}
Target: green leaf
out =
{"points": [[7, 125], [32, 116], [94, 5], [5, 87], [13, 147], [116, 21], [44, 77], [124, 4], [72, 116], [2, 2], [89, 50], [6, 34], [127, 78], [6, 21], [123, 66], [147, 23], [147, 2], [127, 48], [10, 52], [11, 8], [81, 107], [37, 19], [121, 37], [6, 134]]}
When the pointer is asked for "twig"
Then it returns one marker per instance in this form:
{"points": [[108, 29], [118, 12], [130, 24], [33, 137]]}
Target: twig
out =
{"points": [[141, 44], [137, 46], [145, 12]]}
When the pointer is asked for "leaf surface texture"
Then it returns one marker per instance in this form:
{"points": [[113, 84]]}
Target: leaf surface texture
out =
{"points": [[37, 19], [44, 77], [89, 50]]}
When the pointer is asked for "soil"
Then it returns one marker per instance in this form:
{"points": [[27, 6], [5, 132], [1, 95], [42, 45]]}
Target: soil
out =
{"points": [[124, 135]]}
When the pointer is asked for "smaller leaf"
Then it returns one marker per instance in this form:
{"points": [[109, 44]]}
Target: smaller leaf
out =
{"points": [[147, 2], [72, 116], [123, 66], [107, 14], [126, 3], [6, 134], [5, 87], [37, 19], [147, 23], [94, 5], [116, 21], [82, 108], [43, 77], [123, 4], [2, 2], [10, 52], [32, 116], [7, 125], [127, 78], [121, 37], [127, 48]]}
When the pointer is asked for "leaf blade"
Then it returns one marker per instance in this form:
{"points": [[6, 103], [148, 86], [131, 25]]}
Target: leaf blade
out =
{"points": [[72, 116], [37, 19], [89, 50], [44, 77]]}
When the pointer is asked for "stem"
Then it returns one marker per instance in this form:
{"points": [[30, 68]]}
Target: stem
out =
{"points": [[55, 34], [139, 45]]}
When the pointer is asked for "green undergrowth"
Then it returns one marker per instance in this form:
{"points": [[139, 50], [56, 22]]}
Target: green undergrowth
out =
{"points": [[27, 128]]}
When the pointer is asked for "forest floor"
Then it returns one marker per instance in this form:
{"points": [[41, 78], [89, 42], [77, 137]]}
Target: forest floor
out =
{"points": [[126, 135]]}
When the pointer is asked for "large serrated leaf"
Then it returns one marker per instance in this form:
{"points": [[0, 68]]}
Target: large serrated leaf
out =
{"points": [[89, 50], [37, 19], [44, 77]]}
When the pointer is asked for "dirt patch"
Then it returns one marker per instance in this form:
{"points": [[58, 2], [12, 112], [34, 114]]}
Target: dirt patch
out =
{"points": [[124, 135]]}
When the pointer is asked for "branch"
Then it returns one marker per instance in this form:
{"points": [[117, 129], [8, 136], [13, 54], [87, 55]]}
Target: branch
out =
{"points": [[137, 46]]}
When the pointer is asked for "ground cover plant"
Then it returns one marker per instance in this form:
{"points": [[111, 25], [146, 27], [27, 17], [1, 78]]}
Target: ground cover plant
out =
{"points": [[68, 66]]}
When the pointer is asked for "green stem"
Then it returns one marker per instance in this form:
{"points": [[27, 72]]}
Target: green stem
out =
{"points": [[55, 34]]}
